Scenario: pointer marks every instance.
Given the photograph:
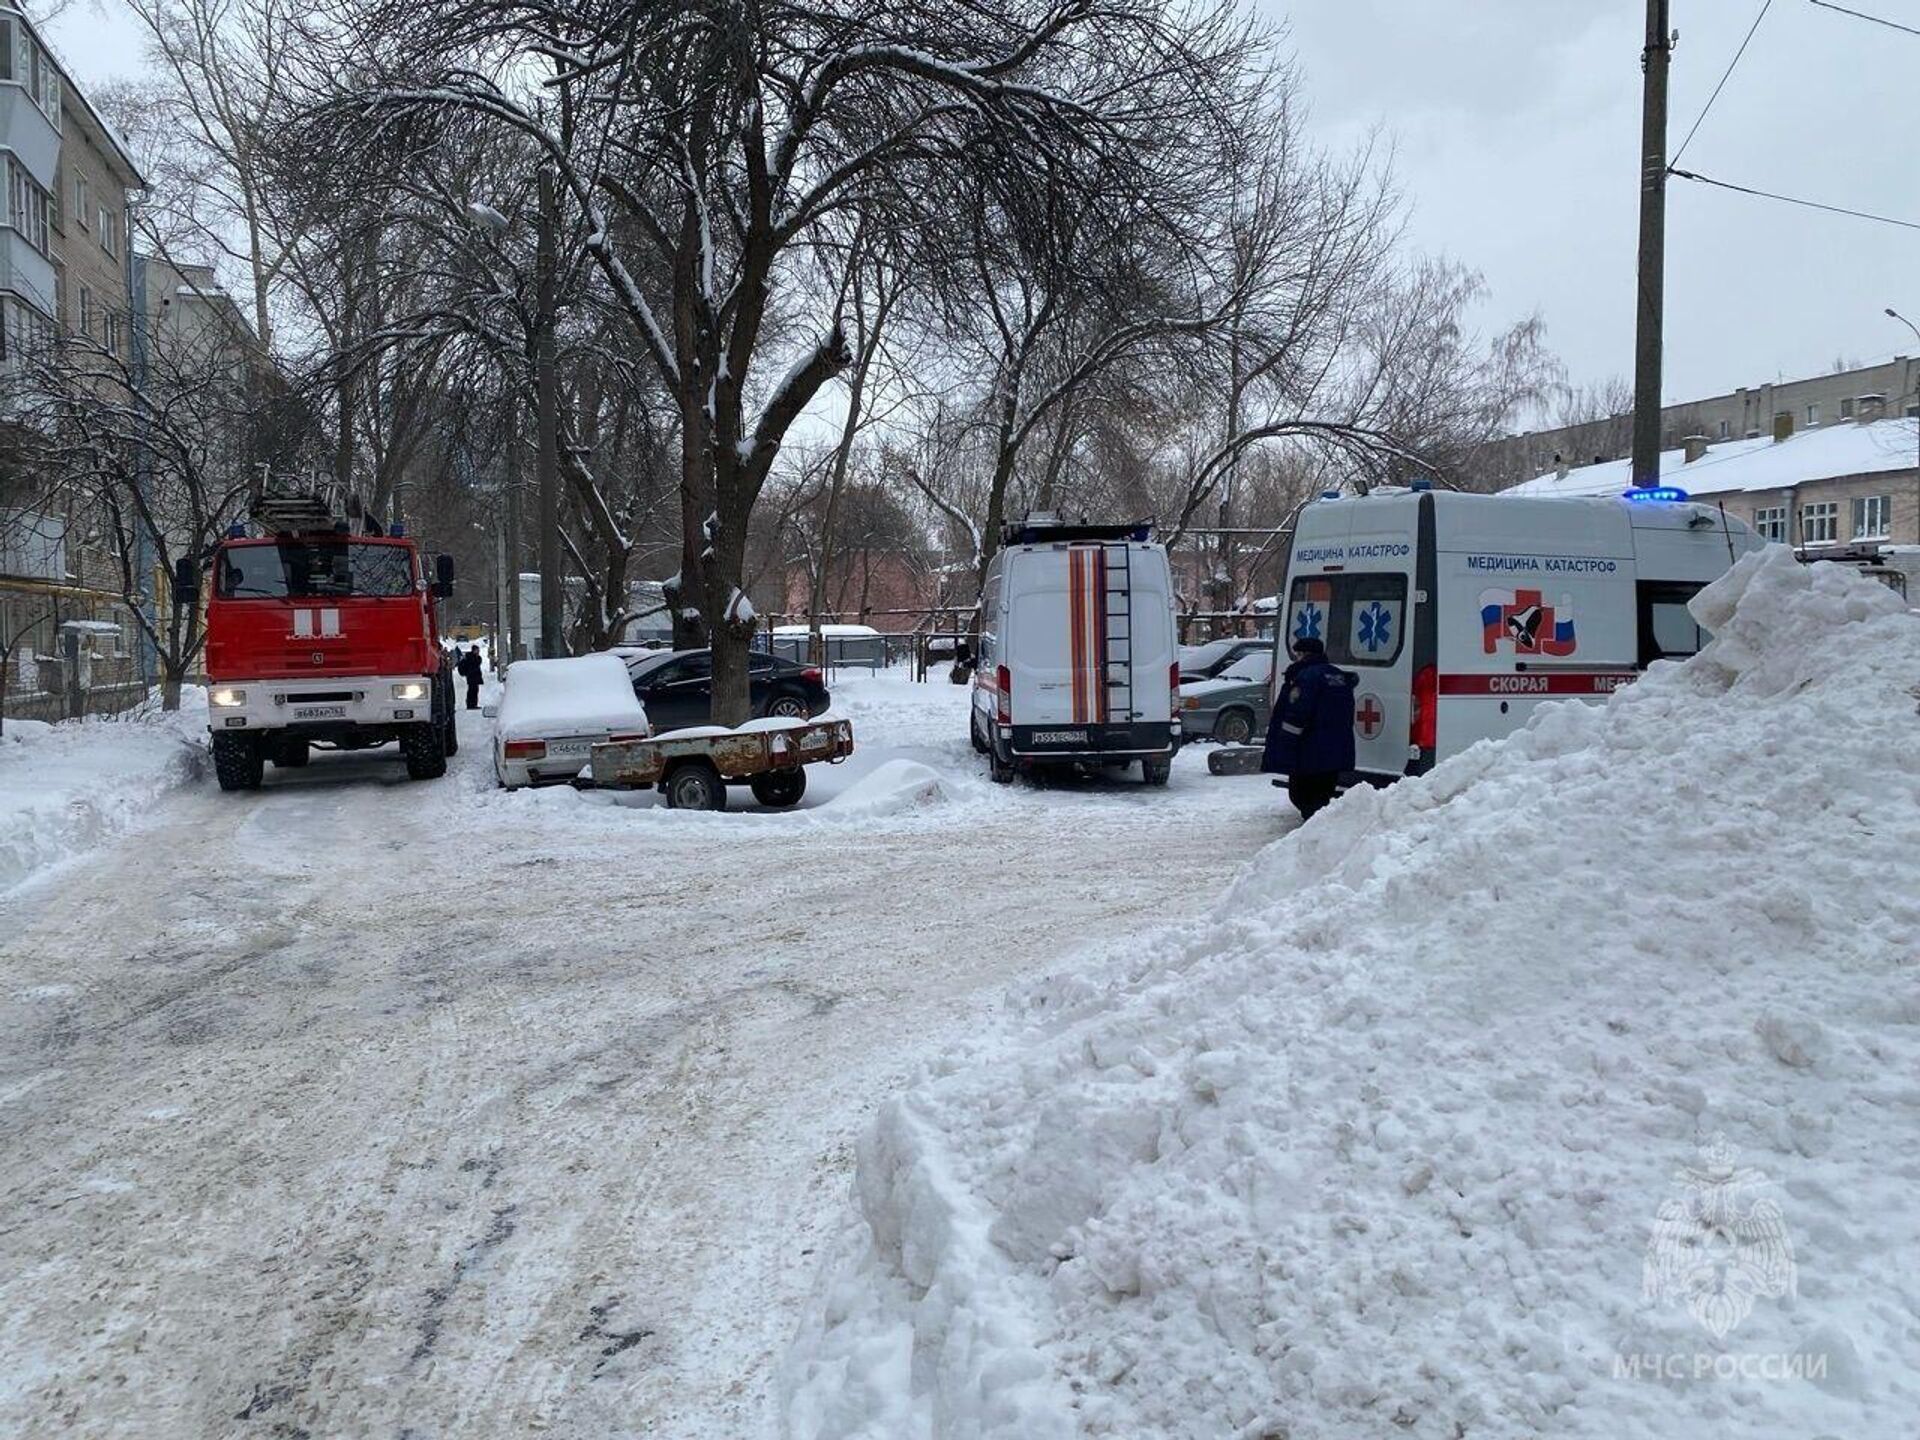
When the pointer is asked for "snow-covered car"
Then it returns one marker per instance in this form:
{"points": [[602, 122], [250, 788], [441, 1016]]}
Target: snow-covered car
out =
{"points": [[1232, 708], [1216, 657], [553, 712]]}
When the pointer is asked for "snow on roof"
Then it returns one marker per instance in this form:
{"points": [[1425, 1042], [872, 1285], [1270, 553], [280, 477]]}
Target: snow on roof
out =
{"points": [[574, 696], [1738, 466]]}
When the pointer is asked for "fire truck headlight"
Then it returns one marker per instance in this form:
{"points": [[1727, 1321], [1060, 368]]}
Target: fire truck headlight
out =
{"points": [[410, 690], [227, 698]]}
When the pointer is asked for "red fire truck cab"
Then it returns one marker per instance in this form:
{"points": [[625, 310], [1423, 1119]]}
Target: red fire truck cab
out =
{"points": [[321, 636]]}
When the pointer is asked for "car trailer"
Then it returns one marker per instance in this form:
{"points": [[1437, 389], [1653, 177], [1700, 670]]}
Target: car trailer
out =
{"points": [[693, 768]]}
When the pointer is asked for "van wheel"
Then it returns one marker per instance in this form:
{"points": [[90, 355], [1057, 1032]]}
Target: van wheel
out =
{"points": [[291, 754], [696, 785], [425, 750], [238, 761], [1157, 772], [999, 770], [1234, 727], [779, 789], [973, 734]]}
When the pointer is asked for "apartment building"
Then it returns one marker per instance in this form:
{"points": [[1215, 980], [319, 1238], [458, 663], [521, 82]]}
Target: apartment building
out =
{"points": [[65, 185], [1848, 491], [1751, 412]]}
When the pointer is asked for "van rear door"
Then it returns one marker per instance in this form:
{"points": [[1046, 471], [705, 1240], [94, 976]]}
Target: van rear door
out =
{"points": [[1090, 636]]}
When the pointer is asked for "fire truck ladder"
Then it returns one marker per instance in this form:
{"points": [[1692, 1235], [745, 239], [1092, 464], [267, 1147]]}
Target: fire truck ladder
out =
{"points": [[1118, 639]]}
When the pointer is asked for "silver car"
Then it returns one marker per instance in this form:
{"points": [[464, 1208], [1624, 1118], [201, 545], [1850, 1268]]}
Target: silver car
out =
{"points": [[1231, 708]]}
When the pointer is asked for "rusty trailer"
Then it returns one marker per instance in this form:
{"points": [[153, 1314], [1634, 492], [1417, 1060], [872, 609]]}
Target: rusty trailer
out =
{"points": [[693, 768]]}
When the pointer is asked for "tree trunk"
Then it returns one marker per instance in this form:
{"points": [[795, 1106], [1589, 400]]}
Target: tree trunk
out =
{"points": [[172, 675]]}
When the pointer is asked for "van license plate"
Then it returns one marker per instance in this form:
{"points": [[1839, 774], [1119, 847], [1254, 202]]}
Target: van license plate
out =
{"points": [[1059, 737], [320, 712]]}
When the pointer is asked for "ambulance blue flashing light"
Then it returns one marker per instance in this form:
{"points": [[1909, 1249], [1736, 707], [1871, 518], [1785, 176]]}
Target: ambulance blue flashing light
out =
{"points": [[236, 531], [1329, 494], [1654, 493], [396, 531], [1420, 487]]}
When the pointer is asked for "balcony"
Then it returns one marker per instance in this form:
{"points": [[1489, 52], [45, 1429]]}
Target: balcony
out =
{"points": [[26, 131]]}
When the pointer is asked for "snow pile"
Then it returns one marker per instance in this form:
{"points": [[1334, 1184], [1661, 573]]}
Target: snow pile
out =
{"points": [[66, 788], [1381, 1146], [580, 695], [894, 787]]}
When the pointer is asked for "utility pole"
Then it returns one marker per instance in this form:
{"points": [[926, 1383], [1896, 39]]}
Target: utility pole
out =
{"points": [[516, 643], [547, 424], [1650, 313]]}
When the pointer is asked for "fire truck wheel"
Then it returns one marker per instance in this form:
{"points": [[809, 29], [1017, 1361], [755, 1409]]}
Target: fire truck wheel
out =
{"points": [[291, 754], [696, 785], [237, 762], [425, 749], [450, 734], [1157, 772], [779, 788], [1234, 727]]}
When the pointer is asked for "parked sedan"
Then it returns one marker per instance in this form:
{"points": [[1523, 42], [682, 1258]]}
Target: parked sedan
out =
{"points": [[553, 712], [1231, 708], [677, 688], [1216, 657]]}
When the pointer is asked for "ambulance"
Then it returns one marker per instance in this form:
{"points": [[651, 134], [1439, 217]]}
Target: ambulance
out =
{"points": [[1077, 664], [1460, 614]]}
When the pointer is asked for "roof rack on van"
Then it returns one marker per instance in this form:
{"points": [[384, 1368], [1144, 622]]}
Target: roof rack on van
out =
{"points": [[1043, 528]]}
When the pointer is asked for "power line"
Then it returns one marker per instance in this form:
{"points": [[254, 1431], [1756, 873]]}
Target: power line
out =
{"points": [[1792, 199], [1765, 6], [1862, 15]]}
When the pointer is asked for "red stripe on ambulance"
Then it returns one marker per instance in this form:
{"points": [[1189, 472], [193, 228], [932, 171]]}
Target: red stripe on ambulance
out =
{"points": [[1558, 682]]}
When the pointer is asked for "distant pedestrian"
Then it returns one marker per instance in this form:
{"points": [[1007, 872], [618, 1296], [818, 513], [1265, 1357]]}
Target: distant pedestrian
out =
{"points": [[469, 666], [1310, 738]]}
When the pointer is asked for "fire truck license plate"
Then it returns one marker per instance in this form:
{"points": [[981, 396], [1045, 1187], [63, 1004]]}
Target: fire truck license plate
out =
{"points": [[320, 712]]}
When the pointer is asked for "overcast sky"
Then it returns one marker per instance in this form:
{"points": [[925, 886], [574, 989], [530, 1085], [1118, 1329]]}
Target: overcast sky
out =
{"points": [[1516, 129]]}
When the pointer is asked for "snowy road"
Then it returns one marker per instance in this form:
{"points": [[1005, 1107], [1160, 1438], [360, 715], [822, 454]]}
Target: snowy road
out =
{"points": [[357, 1107]]}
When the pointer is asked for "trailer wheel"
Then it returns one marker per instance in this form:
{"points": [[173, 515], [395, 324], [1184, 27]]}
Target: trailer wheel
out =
{"points": [[1157, 772], [1234, 727], [291, 754], [238, 762], [425, 750], [696, 785], [779, 788]]}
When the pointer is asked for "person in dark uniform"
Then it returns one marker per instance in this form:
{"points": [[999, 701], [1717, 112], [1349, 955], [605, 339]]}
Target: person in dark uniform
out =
{"points": [[1310, 738], [469, 667]]}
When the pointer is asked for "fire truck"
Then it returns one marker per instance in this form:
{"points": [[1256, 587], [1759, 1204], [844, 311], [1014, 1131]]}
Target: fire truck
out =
{"points": [[321, 633]]}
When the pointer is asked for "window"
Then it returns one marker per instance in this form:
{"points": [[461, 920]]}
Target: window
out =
{"points": [[314, 569], [1846, 409], [1360, 618], [111, 333], [1725, 429], [1872, 517], [27, 204], [109, 231], [1770, 523], [84, 316], [82, 203], [1668, 630], [6, 48], [1820, 523], [1813, 414]]}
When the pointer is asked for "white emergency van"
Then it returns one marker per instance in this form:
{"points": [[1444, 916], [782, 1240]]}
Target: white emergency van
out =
{"points": [[1077, 661], [1461, 613]]}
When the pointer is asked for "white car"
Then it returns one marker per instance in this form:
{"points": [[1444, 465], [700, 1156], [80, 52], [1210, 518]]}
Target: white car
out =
{"points": [[553, 712]]}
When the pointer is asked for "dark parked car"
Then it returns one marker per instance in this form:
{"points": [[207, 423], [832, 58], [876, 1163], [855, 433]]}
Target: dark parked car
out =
{"points": [[677, 687], [1216, 657]]}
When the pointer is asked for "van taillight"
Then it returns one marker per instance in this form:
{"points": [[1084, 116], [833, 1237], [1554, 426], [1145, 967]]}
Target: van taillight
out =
{"points": [[526, 750], [1003, 694], [1173, 683], [1425, 726]]}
